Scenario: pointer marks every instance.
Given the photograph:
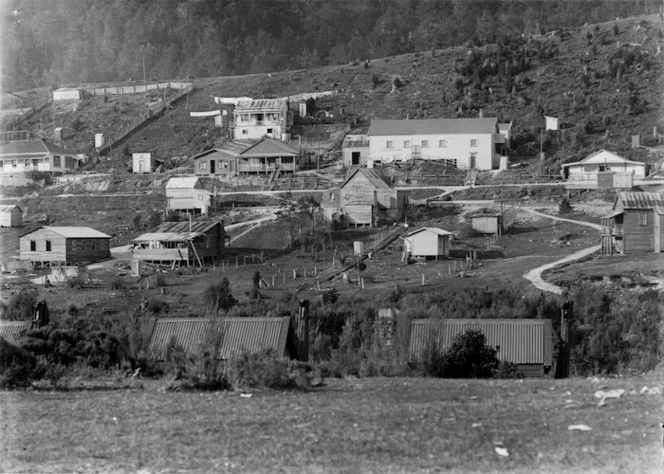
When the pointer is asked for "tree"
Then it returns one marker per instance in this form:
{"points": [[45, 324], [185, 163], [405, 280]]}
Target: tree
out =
{"points": [[218, 296], [310, 207], [287, 211], [469, 357]]}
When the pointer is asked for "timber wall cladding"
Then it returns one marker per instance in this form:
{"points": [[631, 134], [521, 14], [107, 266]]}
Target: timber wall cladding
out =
{"points": [[638, 229], [40, 237]]}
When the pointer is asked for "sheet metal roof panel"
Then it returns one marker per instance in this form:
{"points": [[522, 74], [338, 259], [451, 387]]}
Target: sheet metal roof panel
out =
{"points": [[356, 141], [230, 335], [604, 157], [435, 230], [11, 331], [9, 207], [72, 232], [187, 182], [269, 147], [433, 127], [257, 105], [32, 147], [222, 153], [640, 200], [521, 341], [178, 231], [373, 177]]}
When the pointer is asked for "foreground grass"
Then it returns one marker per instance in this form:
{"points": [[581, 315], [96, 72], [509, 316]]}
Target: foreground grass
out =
{"points": [[373, 425]]}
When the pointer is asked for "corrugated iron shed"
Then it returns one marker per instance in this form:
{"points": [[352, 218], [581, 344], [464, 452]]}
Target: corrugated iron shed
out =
{"points": [[639, 200], [230, 335], [521, 341], [433, 126], [11, 331]]}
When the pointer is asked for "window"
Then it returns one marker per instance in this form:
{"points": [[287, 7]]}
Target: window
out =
{"points": [[269, 130], [202, 165], [94, 245], [643, 219], [200, 197], [48, 245], [473, 142], [33, 246], [473, 160], [388, 144], [425, 143], [56, 160], [245, 132], [406, 144], [223, 164], [442, 143]]}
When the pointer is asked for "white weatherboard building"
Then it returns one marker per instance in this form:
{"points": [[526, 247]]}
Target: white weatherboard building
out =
{"points": [[260, 118], [602, 161], [465, 143]]}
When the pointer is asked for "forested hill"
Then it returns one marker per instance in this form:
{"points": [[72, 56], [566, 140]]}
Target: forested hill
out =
{"points": [[57, 42]]}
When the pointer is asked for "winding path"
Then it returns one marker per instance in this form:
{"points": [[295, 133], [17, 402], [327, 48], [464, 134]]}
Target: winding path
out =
{"points": [[535, 275]]}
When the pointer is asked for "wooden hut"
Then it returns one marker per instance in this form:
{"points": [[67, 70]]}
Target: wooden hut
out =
{"points": [[636, 224], [487, 222], [59, 244], [426, 242], [11, 216]]}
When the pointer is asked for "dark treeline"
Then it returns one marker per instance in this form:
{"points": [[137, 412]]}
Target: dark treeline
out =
{"points": [[76, 41]]}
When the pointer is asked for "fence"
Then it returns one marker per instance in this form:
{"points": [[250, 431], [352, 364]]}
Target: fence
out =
{"points": [[140, 88], [134, 124]]}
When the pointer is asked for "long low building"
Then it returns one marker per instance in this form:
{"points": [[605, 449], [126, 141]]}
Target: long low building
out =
{"points": [[525, 342], [62, 244]]}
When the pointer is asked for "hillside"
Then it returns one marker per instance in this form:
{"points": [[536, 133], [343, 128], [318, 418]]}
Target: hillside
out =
{"points": [[602, 81]]}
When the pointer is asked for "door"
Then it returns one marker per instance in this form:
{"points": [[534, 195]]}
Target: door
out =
{"points": [[212, 166], [415, 151], [355, 157]]}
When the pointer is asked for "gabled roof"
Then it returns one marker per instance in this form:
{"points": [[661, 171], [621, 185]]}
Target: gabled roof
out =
{"points": [[28, 148], [9, 207], [601, 157], [178, 231], [521, 341], [434, 230], [371, 175], [229, 336], [433, 126], [11, 331], [73, 232], [356, 141], [639, 200], [224, 153], [268, 148], [186, 182], [257, 105]]}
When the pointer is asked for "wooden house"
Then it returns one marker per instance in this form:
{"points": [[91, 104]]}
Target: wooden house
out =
{"points": [[216, 162], [255, 119], [365, 198], [193, 243], [603, 169], [487, 222], [37, 155], [426, 242], [59, 244], [269, 156], [636, 224], [355, 150], [474, 143], [527, 343], [186, 193], [11, 216], [229, 336]]}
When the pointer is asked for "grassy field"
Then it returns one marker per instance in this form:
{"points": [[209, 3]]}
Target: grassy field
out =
{"points": [[369, 425]]}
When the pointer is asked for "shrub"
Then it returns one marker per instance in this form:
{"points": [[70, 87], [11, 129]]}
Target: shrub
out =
{"points": [[218, 296], [330, 296], [469, 357], [16, 366], [154, 220], [265, 370], [116, 284], [21, 305], [136, 221], [37, 176], [564, 206], [506, 370]]}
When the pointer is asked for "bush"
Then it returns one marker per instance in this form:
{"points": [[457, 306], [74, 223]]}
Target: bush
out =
{"points": [[16, 366], [218, 296], [37, 176], [265, 370], [469, 357], [22, 305], [506, 370], [116, 284], [330, 296], [564, 207]]}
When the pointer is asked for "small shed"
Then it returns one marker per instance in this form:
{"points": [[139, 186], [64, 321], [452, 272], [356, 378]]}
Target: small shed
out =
{"points": [[186, 193], [487, 222], [228, 336], [66, 93], [427, 242], [527, 343], [635, 225], [65, 245], [144, 163], [355, 150], [11, 216]]}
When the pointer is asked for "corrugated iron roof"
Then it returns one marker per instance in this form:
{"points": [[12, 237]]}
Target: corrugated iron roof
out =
{"points": [[639, 200], [72, 232], [433, 126], [435, 230], [178, 231], [229, 335], [256, 105], [356, 141], [371, 175], [32, 147], [613, 214], [609, 158], [218, 151], [11, 331], [521, 341], [267, 148], [9, 207], [188, 182]]}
